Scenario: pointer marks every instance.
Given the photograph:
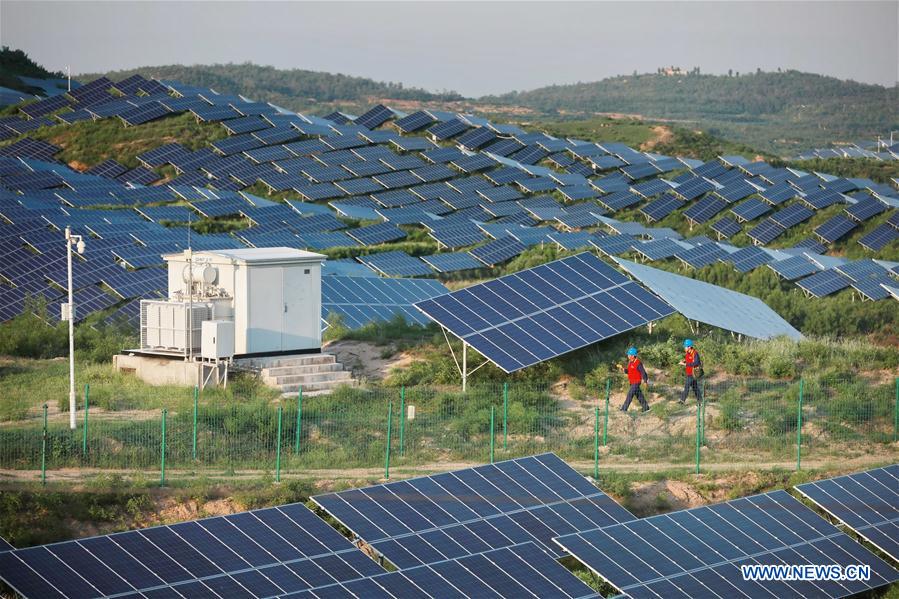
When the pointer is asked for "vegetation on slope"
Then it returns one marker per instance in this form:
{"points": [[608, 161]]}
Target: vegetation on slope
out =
{"points": [[296, 89], [15, 63], [782, 112]]}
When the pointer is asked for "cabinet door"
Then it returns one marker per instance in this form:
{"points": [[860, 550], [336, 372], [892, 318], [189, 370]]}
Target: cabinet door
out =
{"points": [[297, 330], [265, 310]]}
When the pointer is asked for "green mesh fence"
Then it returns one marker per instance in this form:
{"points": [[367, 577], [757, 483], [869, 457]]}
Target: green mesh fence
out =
{"points": [[743, 422]]}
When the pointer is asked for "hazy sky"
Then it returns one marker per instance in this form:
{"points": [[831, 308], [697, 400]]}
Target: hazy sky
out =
{"points": [[471, 47]]}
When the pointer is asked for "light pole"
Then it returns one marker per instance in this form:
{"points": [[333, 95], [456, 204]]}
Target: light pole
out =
{"points": [[78, 242]]}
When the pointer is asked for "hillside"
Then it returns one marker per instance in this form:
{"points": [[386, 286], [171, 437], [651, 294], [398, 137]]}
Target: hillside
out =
{"points": [[15, 63], [296, 89], [777, 112]]}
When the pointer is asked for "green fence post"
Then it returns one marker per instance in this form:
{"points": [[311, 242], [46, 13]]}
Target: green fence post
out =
{"points": [[278, 448], [605, 426], [296, 448], [799, 428], [703, 402], [87, 389], [162, 457], [896, 414], [403, 420], [505, 416], [387, 452], [196, 410], [44, 449], [492, 431], [596, 444], [698, 433]]}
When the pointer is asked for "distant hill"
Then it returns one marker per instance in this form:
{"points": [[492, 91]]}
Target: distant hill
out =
{"points": [[15, 63], [295, 89], [777, 112]]}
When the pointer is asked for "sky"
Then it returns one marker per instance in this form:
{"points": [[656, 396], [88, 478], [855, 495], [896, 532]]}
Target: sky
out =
{"points": [[474, 48]]}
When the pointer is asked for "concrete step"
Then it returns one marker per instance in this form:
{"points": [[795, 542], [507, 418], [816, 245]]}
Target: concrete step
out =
{"points": [[304, 379], [302, 361], [315, 388], [307, 369]]}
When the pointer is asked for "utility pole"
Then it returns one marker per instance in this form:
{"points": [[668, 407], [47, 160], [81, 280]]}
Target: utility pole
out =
{"points": [[78, 242], [69, 76]]}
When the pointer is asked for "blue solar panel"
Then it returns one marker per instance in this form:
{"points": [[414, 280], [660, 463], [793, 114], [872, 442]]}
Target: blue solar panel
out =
{"points": [[362, 300], [457, 234], [498, 251], [879, 237], [375, 117], [264, 552], [396, 264], [376, 234], [531, 316], [824, 283], [792, 215], [751, 209], [660, 208], [865, 208], [452, 262], [699, 552], [447, 129], [766, 231], [703, 210], [620, 200], [657, 249], [835, 228], [430, 519], [701, 255], [414, 122], [867, 502], [748, 258], [472, 164], [794, 267]]}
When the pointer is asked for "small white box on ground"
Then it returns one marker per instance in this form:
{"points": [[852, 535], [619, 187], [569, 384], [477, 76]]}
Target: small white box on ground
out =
{"points": [[218, 339]]}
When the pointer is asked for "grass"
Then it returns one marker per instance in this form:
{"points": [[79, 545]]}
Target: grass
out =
{"points": [[88, 143]]}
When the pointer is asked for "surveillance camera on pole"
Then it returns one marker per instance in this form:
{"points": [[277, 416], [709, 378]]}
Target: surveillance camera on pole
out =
{"points": [[68, 313]]}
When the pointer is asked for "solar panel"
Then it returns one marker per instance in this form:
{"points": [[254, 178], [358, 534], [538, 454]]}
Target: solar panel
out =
{"points": [[375, 117], [657, 249], [473, 164], [376, 234], [660, 208], [765, 232], [794, 267], [362, 300], [620, 200], [726, 227], [414, 122], [836, 228], [703, 210], [456, 235], [257, 553], [822, 198], [144, 113], [701, 255], [498, 251], [572, 241], [748, 258], [447, 129], [396, 264], [693, 188], [433, 518], [824, 283], [540, 313], [452, 262], [699, 552], [476, 138], [792, 215], [879, 237], [865, 209]]}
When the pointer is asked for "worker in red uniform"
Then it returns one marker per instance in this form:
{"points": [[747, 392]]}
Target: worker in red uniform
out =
{"points": [[635, 375], [692, 368]]}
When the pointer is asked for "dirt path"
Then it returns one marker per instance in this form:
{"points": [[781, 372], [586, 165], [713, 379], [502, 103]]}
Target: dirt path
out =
{"points": [[401, 471]]}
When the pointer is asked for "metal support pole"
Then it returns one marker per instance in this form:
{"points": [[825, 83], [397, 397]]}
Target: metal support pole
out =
{"points": [[44, 449], [505, 416], [464, 366], [196, 414], [799, 428], [596, 443], [162, 457], [896, 414], [87, 389], [296, 448], [605, 426], [492, 431], [402, 420], [278, 449], [387, 452], [698, 433], [702, 407], [71, 331]]}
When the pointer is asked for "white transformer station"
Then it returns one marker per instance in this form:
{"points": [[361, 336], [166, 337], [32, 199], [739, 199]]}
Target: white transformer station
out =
{"points": [[229, 304]]}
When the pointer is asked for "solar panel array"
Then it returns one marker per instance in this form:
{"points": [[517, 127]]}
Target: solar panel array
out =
{"points": [[363, 300], [699, 552], [540, 313], [446, 516]]}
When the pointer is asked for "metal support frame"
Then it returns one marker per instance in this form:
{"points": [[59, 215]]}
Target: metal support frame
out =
{"points": [[463, 367]]}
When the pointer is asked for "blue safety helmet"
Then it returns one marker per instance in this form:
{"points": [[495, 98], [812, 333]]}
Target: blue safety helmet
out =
{"points": [[632, 351], [688, 343]]}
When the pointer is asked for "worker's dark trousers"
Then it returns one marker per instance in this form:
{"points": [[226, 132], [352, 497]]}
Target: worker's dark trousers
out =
{"points": [[691, 383], [635, 391]]}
